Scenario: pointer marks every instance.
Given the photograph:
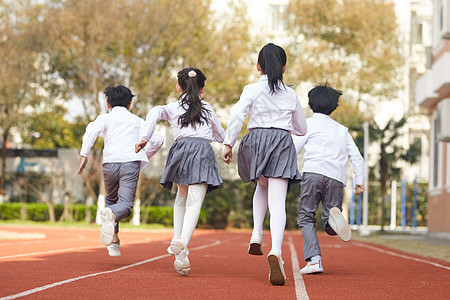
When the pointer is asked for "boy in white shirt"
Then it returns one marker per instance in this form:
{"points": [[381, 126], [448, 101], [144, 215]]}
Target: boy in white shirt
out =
{"points": [[121, 165], [328, 145]]}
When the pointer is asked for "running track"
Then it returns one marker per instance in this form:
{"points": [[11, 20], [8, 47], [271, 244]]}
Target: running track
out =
{"points": [[73, 264]]}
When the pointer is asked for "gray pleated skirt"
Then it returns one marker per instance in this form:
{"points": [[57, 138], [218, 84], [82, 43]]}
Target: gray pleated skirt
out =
{"points": [[269, 152], [191, 160]]}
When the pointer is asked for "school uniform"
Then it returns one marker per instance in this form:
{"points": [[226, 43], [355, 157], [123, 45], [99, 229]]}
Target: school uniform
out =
{"points": [[191, 159], [267, 149], [328, 146], [121, 165]]}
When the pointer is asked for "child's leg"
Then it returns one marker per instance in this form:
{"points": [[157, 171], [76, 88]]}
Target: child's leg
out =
{"points": [[179, 209], [277, 190], [334, 222], [310, 196], [120, 185], [260, 204], [196, 195]]}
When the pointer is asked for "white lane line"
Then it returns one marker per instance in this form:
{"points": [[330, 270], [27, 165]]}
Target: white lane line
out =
{"points": [[400, 255], [300, 289], [52, 285]]}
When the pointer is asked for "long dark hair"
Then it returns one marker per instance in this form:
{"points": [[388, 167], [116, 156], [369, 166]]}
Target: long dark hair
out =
{"points": [[272, 59], [191, 80]]}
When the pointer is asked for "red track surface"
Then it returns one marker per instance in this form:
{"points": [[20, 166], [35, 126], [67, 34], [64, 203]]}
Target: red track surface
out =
{"points": [[73, 264]]}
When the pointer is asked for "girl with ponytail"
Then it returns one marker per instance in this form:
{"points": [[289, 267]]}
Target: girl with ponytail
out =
{"points": [[267, 154], [191, 162]]}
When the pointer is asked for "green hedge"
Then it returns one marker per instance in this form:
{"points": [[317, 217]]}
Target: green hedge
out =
{"points": [[39, 212]]}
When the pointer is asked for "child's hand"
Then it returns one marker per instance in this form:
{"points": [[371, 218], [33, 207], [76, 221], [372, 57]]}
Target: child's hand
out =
{"points": [[227, 153], [139, 146], [359, 189], [83, 164]]}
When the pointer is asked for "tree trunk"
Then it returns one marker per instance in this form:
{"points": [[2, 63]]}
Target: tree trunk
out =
{"points": [[3, 170]]}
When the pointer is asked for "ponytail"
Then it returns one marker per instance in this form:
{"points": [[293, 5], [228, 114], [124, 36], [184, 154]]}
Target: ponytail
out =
{"points": [[272, 59], [191, 80]]}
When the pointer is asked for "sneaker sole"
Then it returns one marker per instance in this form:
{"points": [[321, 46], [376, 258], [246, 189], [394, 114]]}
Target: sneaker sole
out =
{"points": [[114, 254], [255, 249], [276, 275], [107, 230], [343, 229], [183, 271]]}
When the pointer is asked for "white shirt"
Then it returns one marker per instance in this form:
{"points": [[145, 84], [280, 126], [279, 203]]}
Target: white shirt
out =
{"points": [[212, 131], [281, 109], [120, 129], [328, 145]]}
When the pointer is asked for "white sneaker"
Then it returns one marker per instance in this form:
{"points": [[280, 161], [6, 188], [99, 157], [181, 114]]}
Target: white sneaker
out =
{"points": [[108, 223], [181, 263], [114, 249], [276, 275], [255, 247], [339, 224], [311, 268]]}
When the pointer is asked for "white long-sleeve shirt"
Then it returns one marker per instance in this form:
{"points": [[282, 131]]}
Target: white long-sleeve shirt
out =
{"points": [[212, 131], [120, 129], [278, 110], [328, 146]]}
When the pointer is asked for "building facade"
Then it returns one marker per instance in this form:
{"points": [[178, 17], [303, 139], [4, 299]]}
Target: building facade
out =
{"points": [[433, 94]]}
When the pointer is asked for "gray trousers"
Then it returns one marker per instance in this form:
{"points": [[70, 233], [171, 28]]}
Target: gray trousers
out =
{"points": [[120, 186], [317, 188]]}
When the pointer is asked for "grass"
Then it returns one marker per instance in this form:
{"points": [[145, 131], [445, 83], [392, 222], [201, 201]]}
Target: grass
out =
{"points": [[414, 244]]}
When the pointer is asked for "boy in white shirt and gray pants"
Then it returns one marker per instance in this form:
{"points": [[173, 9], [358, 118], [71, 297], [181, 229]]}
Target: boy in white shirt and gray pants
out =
{"points": [[328, 146], [121, 165]]}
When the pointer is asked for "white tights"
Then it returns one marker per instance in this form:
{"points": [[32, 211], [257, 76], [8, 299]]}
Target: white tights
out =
{"points": [[186, 210], [271, 192]]}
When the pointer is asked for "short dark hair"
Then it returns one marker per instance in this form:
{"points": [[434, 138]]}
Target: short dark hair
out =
{"points": [[323, 99], [118, 95]]}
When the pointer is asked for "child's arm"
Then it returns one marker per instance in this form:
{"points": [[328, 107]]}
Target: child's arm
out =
{"points": [[156, 114], [83, 163], [299, 142], [359, 189], [93, 130], [298, 120], [155, 143], [238, 113], [227, 153], [357, 162]]}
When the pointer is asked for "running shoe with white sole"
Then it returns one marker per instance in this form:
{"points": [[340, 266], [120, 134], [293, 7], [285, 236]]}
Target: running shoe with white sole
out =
{"points": [[181, 264], [255, 247], [339, 224], [114, 249], [276, 275], [312, 268], [108, 223]]}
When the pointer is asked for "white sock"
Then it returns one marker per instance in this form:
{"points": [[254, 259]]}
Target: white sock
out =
{"points": [[179, 209], [277, 190], [259, 205], [195, 196], [315, 259]]}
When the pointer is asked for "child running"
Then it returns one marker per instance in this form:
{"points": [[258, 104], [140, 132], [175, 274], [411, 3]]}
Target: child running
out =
{"points": [[121, 165], [328, 145], [267, 154], [191, 162]]}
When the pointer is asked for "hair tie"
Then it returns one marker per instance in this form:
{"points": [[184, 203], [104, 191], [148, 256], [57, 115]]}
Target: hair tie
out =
{"points": [[192, 73]]}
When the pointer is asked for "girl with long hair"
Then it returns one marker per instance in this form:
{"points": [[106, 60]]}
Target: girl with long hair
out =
{"points": [[191, 162], [267, 154]]}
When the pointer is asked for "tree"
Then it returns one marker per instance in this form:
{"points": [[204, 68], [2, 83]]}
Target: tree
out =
{"points": [[90, 45], [390, 156], [19, 75], [352, 44]]}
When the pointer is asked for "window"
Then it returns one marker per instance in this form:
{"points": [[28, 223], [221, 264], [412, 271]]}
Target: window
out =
{"points": [[279, 17]]}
